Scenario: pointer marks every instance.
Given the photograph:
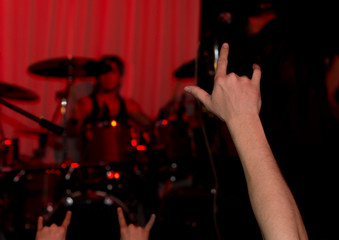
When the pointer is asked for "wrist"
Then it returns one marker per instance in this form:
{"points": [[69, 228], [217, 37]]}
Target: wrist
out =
{"points": [[243, 121], [248, 134]]}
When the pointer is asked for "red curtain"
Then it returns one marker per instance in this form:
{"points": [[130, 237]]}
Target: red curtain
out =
{"points": [[153, 37]]}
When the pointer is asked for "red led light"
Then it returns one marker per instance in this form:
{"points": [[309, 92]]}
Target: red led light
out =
{"points": [[134, 142], [116, 175], [63, 165], [74, 165], [114, 123], [141, 148], [7, 142], [110, 174], [164, 122]]}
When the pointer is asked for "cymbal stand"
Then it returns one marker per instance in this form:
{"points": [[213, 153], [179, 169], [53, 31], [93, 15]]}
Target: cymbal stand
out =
{"points": [[42, 122], [64, 104], [8, 148], [2, 137], [2, 133]]}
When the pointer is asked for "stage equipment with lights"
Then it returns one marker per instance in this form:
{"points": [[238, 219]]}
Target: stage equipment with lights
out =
{"points": [[68, 68], [14, 92]]}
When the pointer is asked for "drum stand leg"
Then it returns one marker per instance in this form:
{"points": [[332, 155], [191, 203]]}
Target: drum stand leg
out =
{"points": [[3, 148], [63, 110]]}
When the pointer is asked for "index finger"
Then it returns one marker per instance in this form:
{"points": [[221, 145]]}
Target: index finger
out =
{"points": [[67, 219], [121, 218], [222, 61]]}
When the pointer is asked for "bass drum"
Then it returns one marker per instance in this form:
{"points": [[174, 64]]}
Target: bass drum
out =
{"points": [[94, 215]]}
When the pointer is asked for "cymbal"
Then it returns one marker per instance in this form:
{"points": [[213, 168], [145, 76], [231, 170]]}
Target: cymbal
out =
{"points": [[69, 67], [17, 93], [186, 71]]}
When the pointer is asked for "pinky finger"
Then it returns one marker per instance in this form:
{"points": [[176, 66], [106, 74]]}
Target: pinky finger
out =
{"points": [[40, 224], [256, 76], [150, 222]]}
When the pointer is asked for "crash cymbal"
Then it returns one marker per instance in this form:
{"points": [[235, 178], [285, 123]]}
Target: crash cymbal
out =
{"points": [[17, 93], [186, 71], [69, 67]]}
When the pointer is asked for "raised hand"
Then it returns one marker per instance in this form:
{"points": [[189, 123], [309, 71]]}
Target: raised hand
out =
{"points": [[53, 232], [232, 95], [132, 232], [236, 100]]}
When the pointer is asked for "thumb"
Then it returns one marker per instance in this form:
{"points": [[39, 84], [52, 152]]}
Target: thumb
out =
{"points": [[199, 94]]}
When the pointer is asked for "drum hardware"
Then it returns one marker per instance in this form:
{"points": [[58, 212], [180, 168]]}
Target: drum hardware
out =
{"points": [[14, 92], [83, 177], [47, 190], [173, 137], [69, 68], [43, 135], [19, 175], [31, 189], [9, 147], [94, 214], [69, 173], [109, 143], [41, 121]]}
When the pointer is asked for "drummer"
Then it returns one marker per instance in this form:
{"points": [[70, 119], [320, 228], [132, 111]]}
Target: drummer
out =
{"points": [[106, 104]]}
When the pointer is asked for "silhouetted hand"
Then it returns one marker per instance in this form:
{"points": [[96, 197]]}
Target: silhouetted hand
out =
{"points": [[132, 232], [232, 95], [53, 232]]}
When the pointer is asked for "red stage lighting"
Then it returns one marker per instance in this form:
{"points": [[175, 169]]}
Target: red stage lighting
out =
{"points": [[141, 148], [114, 123], [116, 175], [74, 165], [110, 174]]}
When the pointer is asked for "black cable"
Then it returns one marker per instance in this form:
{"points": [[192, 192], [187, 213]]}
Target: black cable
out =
{"points": [[216, 183]]}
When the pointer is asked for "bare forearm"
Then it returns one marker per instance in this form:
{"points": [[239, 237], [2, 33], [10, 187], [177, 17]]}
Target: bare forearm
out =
{"points": [[236, 100], [272, 202]]}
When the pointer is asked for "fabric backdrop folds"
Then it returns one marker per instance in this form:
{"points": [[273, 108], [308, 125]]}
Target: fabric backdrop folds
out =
{"points": [[153, 37]]}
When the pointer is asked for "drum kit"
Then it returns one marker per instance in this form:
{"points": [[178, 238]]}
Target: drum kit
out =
{"points": [[68, 183]]}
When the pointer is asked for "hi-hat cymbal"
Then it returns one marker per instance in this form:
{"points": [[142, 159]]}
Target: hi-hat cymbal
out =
{"points": [[69, 67], [17, 93]]}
